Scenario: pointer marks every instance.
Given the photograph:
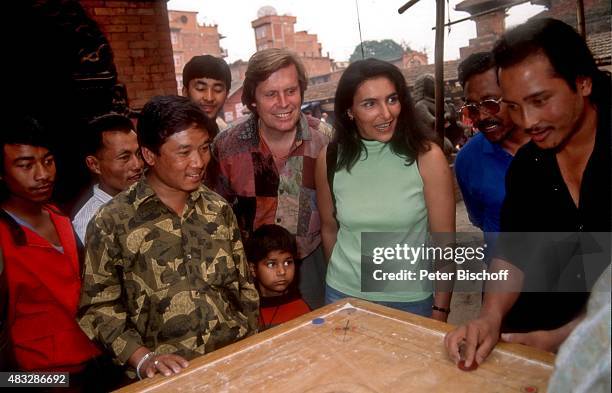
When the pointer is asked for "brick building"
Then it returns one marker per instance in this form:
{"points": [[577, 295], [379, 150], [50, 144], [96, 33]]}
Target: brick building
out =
{"points": [[598, 24], [324, 93], [233, 109], [238, 70], [489, 27], [139, 38], [410, 58], [277, 31], [596, 13], [95, 56], [189, 39]]}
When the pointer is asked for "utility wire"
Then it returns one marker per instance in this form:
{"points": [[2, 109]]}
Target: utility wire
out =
{"points": [[359, 25]]}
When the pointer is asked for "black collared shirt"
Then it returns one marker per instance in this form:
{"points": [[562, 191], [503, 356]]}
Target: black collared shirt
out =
{"points": [[538, 200]]}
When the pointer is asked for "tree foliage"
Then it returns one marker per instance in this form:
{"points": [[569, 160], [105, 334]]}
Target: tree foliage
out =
{"points": [[382, 50]]}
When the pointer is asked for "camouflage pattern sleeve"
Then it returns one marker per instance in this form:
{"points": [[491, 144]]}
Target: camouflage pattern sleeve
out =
{"points": [[247, 296], [102, 314]]}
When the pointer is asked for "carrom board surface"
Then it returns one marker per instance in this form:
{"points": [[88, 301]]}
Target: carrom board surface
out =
{"points": [[359, 348]]}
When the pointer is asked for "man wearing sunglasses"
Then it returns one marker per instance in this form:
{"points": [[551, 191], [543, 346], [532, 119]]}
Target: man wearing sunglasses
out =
{"points": [[482, 163], [558, 184]]}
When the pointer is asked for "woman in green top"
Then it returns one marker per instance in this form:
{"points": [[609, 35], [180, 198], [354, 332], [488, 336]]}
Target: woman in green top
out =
{"points": [[384, 176]]}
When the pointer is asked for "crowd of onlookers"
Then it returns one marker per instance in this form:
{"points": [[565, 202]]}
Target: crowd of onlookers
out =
{"points": [[196, 235]]}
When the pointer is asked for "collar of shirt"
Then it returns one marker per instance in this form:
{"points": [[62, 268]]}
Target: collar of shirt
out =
{"points": [[101, 194], [493, 148], [145, 195], [16, 224]]}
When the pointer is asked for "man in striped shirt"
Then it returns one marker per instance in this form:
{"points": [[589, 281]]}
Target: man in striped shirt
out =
{"points": [[112, 155]]}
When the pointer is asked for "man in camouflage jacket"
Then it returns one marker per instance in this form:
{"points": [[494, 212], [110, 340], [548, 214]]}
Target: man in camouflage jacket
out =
{"points": [[166, 278]]}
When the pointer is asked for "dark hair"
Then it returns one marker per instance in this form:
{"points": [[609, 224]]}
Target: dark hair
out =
{"points": [[207, 66], [474, 64], [267, 238], [101, 124], [22, 130], [407, 141], [263, 64], [429, 87], [565, 49], [164, 116]]}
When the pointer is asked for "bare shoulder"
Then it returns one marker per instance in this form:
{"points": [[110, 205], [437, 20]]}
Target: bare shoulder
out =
{"points": [[321, 161], [432, 156]]}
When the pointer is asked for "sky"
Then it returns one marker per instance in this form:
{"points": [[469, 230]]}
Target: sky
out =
{"points": [[335, 23]]}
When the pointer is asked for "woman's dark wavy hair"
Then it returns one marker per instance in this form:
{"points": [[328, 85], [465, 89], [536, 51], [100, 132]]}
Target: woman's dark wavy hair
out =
{"points": [[408, 140]]}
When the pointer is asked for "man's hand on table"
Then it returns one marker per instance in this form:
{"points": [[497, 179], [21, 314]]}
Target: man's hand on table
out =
{"points": [[166, 364], [473, 341], [147, 363]]}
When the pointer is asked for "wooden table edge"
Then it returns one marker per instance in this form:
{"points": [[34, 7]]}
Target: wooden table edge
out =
{"points": [[423, 322]]}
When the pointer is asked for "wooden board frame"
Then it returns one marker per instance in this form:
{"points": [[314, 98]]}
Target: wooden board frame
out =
{"points": [[157, 383]]}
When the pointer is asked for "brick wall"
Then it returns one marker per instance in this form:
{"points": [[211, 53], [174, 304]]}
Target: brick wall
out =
{"points": [[596, 13], [275, 31], [238, 70], [191, 39], [488, 29], [493, 23], [231, 105], [139, 37], [307, 45], [316, 66], [278, 32]]}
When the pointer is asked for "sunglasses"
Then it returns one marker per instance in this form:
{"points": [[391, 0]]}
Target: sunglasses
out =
{"points": [[472, 110]]}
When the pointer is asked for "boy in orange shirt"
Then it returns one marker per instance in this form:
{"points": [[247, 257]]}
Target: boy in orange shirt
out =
{"points": [[271, 251]]}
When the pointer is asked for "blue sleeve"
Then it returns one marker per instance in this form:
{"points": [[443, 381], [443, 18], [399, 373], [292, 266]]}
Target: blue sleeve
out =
{"points": [[474, 207]]}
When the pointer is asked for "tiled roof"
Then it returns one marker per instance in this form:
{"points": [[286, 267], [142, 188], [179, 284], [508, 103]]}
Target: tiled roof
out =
{"points": [[601, 47], [325, 91], [320, 92], [469, 3], [412, 73], [234, 87], [481, 5]]}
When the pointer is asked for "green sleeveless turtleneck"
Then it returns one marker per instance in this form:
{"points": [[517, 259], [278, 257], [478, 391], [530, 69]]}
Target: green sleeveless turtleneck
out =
{"points": [[380, 194]]}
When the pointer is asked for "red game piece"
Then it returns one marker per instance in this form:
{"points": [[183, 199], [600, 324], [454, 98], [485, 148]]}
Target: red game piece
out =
{"points": [[472, 367]]}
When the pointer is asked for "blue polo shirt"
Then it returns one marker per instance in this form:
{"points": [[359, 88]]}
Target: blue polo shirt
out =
{"points": [[481, 168]]}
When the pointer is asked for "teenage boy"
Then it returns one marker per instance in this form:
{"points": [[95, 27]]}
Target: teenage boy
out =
{"points": [[43, 272], [206, 81]]}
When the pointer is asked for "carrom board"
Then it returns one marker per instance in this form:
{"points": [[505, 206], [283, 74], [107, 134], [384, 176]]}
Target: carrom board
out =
{"points": [[354, 346]]}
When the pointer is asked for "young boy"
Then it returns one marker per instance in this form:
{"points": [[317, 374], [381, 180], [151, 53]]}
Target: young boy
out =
{"points": [[271, 252]]}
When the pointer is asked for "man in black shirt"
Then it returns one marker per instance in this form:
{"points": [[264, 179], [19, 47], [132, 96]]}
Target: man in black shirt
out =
{"points": [[559, 182]]}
